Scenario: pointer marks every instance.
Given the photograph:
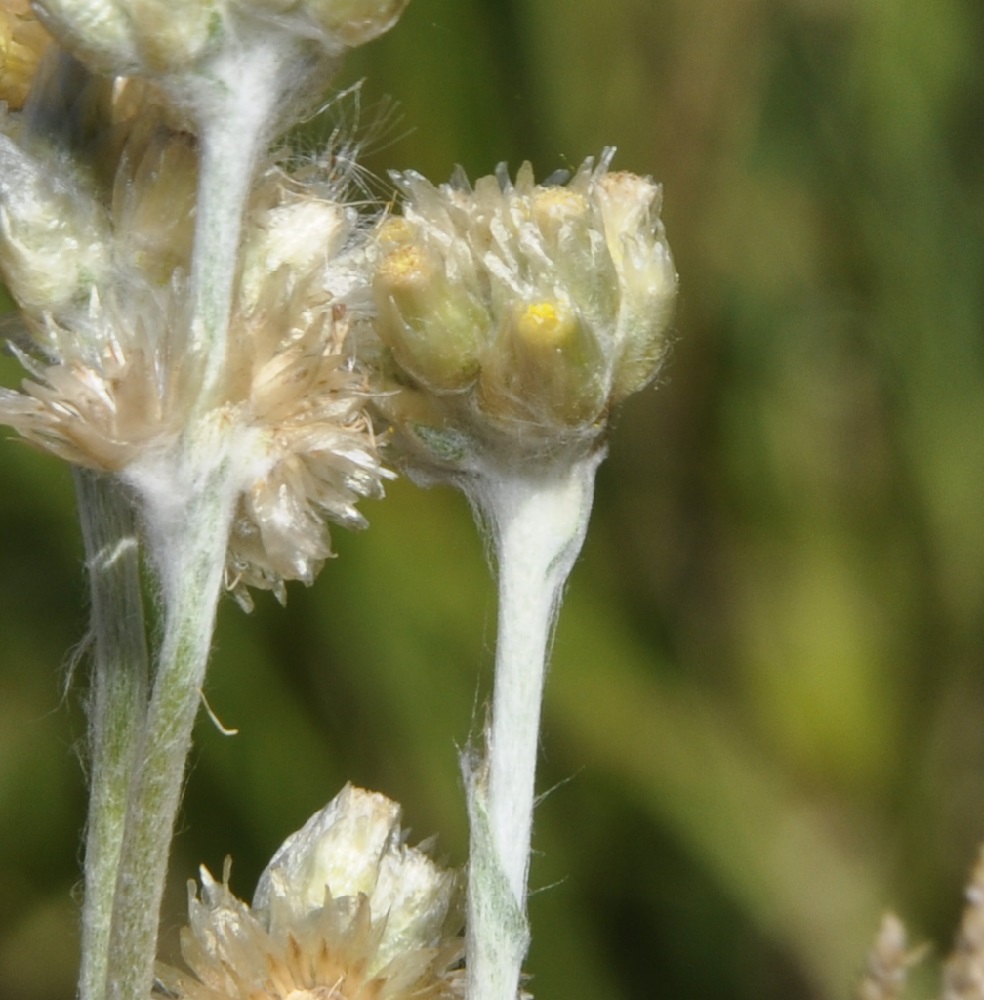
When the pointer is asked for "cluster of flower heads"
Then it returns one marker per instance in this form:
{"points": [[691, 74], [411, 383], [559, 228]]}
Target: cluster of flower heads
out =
{"points": [[493, 321], [488, 327], [516, 315], [345, 910]]}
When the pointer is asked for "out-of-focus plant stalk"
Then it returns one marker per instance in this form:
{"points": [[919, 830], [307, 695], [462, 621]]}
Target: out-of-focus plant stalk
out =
{"points": [[117, 704]]}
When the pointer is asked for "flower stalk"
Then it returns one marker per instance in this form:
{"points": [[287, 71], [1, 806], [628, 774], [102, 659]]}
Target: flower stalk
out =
{"points": [[539, 525], [513, 317], [189, 532], [538, 520], [149, 363], [234, 130]]}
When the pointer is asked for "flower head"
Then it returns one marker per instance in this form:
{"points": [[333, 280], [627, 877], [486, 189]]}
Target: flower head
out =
{"points": [[115, 202], [350, 22], [345, 911], [191, 45], [516, 313]]}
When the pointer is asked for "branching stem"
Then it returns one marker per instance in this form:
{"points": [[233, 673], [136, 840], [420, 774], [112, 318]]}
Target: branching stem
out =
{"points": [[191, 559], [189, 528]]}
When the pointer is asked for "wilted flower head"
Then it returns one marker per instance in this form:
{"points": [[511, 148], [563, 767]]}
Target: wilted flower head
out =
{"points": [[314, 452], [101, 274], [152, 203], [521, 313], [117, 399], [296, 228], [345, 910]]}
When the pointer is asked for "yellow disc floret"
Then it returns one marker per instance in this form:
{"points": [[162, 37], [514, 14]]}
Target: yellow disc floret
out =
{"points": [[541, 327]]}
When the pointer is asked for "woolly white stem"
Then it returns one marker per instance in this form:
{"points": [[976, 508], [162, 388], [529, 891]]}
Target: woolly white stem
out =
{"points": [[117, 704], [188, 542], [235, 122], [538, 521]]}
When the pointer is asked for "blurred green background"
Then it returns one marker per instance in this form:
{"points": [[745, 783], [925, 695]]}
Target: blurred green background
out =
{"points": [[765, 717]]}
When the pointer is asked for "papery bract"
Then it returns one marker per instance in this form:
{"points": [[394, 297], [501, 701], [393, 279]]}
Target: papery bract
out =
{"points": [[344, 909]]}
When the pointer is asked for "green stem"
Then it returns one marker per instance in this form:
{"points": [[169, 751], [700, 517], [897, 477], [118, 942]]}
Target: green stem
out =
{"points": [[117, 704], [190, 553], [538, 523]]}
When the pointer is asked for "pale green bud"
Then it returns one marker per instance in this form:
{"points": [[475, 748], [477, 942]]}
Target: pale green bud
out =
{"points": [[569, 226], [546, 368], [432, 325], [173, 33], [356, 22]]}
